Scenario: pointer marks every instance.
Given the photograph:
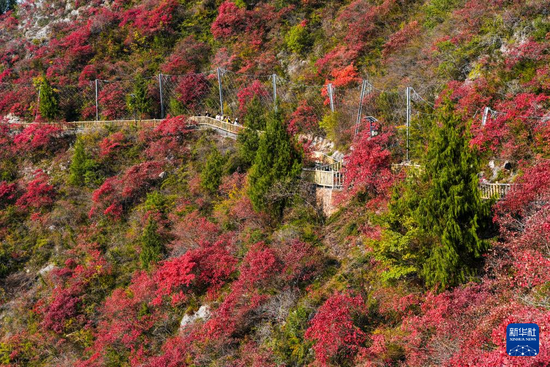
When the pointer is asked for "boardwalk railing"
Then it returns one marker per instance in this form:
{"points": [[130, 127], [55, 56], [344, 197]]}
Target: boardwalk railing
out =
{"points": [[221, 125], [329, 176], [494, 190], [82, 125], [329, 179]]}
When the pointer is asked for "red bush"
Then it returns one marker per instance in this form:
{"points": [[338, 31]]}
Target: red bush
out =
{"points": [[334, 331], [192, 89], [128, 319], [116, 193], [231, 21], [303, 120], [167, 140], [37, 138], [368, 167], [112, 144], [8, 193], [74, 285], [188, 56], [39, 193], [112, 99], [401, 38], [246, 94], [151, 17]]}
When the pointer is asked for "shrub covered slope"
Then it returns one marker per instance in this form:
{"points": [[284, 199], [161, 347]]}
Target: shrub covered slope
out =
{"points": [[164, 245]]}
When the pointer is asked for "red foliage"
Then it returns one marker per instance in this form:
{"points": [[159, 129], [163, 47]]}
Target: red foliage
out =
{"points": [[128, 318], [192, 89], [118, 193], [303, 120], [72, 291], [260, 267], [39, 193], [191, 230], [362, 20], [112, 99], [368, 167], [205, 268], [230, 22], [401, 38], [471, 97], [302, 262], [529, 50], [510, 132], [188, 56], [341, 78], [151, 17], [167, 140], [247, 94], [481, 317], [8, 193], [174, 273], [112, 144], [334, 329], [36, 138]]}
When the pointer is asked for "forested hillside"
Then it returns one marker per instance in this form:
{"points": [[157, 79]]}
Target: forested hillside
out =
{"points": [[138, 239]]}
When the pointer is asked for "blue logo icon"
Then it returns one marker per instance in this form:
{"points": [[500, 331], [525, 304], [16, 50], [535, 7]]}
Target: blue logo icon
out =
{"points": [[522, 340]]}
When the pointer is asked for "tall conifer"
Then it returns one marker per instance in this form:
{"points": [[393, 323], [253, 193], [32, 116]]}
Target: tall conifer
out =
{"points": [[452, 209], [437, 216], [49, 100], [276, 161]]}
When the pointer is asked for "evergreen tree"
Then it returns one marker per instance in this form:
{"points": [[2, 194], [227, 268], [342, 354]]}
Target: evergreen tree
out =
{"points": [[255, 117], [138, 101], [152, 244], [276, 161], [248, 142], [49, 100], [211, 176], [78, 164], [452, 209], [436, 221]]}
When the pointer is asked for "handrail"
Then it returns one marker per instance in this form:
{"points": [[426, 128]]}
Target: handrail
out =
{"points": [[322, 178], [494, 190], [329, 175], [222, 125]]}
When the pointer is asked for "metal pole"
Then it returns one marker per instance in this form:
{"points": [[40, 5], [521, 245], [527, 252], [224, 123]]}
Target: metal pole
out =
{"points": [[408, 118], [274, 77], [331, 96], [96, 103], [161, 98], [38, 104], [359, 114], [485, 115], [221, 92]]}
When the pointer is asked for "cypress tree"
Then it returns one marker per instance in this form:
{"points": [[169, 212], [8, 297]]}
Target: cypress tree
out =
{"points": [[248, 142], [152, 245], [211, 175], [437, 218], [451, 211], [276, 161], [255, 117], [78, 164], [138, 102], [49, 100]]}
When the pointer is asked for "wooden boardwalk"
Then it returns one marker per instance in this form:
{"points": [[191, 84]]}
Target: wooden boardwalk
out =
{"points": [[327, 176]]}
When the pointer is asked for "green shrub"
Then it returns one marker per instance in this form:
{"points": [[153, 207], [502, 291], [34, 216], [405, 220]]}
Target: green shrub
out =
{"points": [[298, 39], [211, 175]]}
